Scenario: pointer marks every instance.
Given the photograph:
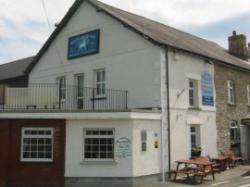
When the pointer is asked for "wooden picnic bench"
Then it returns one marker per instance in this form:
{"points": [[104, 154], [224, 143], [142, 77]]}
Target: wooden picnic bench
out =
{"points": [[232, 159], [223, 162], [195, 168]]}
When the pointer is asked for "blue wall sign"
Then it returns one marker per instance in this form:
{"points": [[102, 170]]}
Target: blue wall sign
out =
{"points": [[207, 86], [84, 44]]}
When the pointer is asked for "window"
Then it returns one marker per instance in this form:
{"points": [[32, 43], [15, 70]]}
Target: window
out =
{"points": [[248, 94], [234, 133], [37, 145], [231, 91], [144, 140], [61, 81], [100, 82], [195, 136], [193, 93], [99, 144], [80, 90]]}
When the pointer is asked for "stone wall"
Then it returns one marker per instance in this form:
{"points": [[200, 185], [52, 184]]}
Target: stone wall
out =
{"points": [[228, 112]]}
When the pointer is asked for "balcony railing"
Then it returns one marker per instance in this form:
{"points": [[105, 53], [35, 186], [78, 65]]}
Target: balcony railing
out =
{"points": [[53, 97]]}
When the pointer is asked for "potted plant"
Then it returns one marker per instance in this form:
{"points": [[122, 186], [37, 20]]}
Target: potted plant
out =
{"points": [[196, 151]]}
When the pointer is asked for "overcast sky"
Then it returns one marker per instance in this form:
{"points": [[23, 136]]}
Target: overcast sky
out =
{"points": [[23, 26]]}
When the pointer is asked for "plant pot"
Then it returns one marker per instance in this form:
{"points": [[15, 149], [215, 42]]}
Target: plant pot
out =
{"points": [[196, 153]]}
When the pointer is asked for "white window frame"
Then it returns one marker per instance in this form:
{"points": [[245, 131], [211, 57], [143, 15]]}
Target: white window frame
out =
{"points": [[37, 136], [98, 136], [60, 89], [235, 129], [197, 135], [231, 91], [102, 83], [77, 87], [195, 91], [248, 94]]}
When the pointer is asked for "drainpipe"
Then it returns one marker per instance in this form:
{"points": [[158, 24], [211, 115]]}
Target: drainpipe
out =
{"points": [[165, 112], [168, 115]]}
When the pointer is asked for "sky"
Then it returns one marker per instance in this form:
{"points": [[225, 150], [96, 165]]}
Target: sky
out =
{"points": [[24, 29]]}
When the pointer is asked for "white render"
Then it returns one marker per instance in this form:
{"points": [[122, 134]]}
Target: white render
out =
{"points": [[187, 67], [131, 63], [139, 164]]}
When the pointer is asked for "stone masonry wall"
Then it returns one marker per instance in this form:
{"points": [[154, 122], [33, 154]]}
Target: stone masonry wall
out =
{"points": [[227, 112]]}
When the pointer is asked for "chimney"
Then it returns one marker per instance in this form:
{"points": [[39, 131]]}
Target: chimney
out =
{"points": [[238, 45]]}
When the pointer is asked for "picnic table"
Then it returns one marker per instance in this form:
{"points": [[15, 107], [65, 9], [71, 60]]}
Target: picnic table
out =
{"points": [[223, 162], [195, 168]]}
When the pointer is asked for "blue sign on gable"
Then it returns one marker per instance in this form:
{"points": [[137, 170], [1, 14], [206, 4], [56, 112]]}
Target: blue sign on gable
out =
{"points": [[84, 44], [207, 86]]}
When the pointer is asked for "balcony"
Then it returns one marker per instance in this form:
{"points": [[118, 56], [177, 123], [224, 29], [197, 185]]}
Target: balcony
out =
{"points": [[66, 98]]}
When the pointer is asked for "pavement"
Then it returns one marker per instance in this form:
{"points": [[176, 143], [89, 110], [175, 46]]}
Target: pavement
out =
{"points": [[236, 177]]}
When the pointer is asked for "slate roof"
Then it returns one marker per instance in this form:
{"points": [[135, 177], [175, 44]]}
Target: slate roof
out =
{"points": [[14, 69], [156, 32]]}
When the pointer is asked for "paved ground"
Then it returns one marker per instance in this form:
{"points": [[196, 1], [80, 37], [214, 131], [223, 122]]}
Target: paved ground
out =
{"points": [[236, 177]]}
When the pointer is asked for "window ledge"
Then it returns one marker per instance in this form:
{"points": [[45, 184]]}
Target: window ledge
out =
{"points": [[37, 161], [231, 104], [85, 162], [98, 98], [194, 108]]}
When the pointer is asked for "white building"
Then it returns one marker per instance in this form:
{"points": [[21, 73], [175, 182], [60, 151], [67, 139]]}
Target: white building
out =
{"points": [[101, 47]]}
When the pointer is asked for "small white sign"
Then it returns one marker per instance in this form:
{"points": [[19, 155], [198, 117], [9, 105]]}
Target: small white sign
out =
{"points": [[123, 148]]}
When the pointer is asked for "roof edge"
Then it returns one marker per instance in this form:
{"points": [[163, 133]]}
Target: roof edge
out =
{"points": [[73, 10], [54, 34]]}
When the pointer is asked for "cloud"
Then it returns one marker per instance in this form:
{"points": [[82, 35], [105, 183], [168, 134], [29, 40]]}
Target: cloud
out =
{"points": [[219, 31], [24, 21], [185, 12]]}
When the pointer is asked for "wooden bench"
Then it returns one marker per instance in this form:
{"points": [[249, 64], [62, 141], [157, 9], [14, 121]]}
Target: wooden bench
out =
{"points": [[233, 160], [198, 167], [216, 165]]}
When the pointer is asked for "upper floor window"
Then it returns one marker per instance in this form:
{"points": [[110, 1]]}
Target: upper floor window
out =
{"points": [[100, 78], [248, 94], [79, 78], [193, 93], [37, 145], [61, 81], [231, 91]]}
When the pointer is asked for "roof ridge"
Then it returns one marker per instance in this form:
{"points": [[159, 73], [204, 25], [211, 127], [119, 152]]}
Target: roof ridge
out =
{"points": [[17, 60], [157, 22], [159, 33]]}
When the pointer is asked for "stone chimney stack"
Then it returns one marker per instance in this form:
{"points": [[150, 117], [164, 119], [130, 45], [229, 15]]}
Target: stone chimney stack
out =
{"points": [[238, 45]]}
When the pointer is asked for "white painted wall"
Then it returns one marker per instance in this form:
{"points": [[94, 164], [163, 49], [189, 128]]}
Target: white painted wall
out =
{"points": [[146, 162], [74, 149], [182, 68], [131, 62], [138, 164], [134, 64]]}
